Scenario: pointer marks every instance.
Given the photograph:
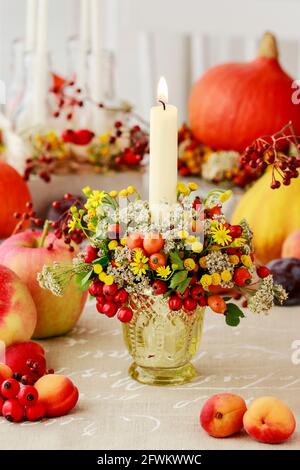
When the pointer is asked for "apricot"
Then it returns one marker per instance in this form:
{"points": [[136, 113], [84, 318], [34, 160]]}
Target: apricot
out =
{"points": [[269, 420], [58, 394], [222, 414], [153, 243], [217, 303], [5, 372]]}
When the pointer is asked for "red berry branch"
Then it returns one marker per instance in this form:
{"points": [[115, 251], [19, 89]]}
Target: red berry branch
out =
{"points": [[281, 150]]}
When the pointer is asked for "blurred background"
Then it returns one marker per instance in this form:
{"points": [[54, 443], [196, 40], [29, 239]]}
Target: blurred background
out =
{"points": [[149, 38]]}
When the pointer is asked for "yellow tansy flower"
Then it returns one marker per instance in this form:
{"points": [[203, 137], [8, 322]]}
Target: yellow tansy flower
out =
{"points": [[202, 262], [221, 235], [102, 276], [86, 191], [183, 189], [215, 279], [197, 247], [123, 193], [109, 280], [191, 239], [206, 280], [225, 196], [113, 193], [139, 264], [246, 260], [193, 186], [234, 259], [98, 268], [163, 271], [131, 190], [189, 264], [226, 275], [123, 241], [112, 245]]}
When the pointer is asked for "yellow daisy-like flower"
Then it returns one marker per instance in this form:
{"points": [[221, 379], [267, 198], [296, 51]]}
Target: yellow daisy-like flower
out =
{"points": [[72, 224], [87, 191], [221, 235], [226, 275], [246, 260], [112, 245], [234, 259], [206, 281], [95, 199], [193, 186], [225, 196], [123, 193], [189, 264], [202, 262], [183, 189], [197, 247], [113, 193], [238, 242], [182, 234], [215, 279], [163, 271], [139, 264], [131, 190], [98, 268], [109, 280]]}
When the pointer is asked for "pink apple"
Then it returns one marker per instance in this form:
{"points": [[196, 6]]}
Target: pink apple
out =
{"points": [[18, 314], [21, 253]]}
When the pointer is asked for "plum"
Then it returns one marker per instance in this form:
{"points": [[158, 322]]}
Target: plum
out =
{"points": [[286, 271]]}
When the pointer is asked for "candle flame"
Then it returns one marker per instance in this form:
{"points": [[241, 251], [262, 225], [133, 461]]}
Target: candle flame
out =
{"points": [[162, 90]]}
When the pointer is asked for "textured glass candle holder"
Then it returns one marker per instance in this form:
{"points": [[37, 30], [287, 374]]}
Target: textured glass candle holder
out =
{"points": [[162, 342]]}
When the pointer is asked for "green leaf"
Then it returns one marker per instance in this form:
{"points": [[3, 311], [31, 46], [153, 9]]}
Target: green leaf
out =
{"points": [[83, 280], [183, 285], [167, 294], [227, 298], [103, 260], [178, 278], [175, 259], [233, 315]]}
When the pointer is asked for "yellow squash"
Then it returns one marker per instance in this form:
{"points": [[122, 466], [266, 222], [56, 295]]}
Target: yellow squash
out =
{"points": [[271, 213]]}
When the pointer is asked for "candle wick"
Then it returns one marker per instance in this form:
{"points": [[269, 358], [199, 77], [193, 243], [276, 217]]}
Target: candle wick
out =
{"points": [[163, 103]]}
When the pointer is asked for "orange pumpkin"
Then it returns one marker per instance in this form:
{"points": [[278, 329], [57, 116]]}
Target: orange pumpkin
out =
{"points": [[14, 194], [234, 103]]}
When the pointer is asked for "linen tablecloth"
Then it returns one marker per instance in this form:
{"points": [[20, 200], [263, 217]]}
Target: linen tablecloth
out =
{"points": [[259, 357]]}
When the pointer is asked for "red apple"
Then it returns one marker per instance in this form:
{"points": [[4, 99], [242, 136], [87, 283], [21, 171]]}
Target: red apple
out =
{"points": [[14, 194], [18, 314], [55, 315]]}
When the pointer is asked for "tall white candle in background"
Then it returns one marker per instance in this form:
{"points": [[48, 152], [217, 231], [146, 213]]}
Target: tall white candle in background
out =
{"points": [[163, 151], [31, 21], [40, 77], [83, 42], [96, 66]]}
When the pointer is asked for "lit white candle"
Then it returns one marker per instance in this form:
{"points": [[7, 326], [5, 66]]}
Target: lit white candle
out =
{"points": [[31, 20], [163, 151]]}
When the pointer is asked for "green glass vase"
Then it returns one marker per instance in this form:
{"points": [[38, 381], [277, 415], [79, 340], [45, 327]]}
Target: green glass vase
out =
{"points": [[162, 342]]}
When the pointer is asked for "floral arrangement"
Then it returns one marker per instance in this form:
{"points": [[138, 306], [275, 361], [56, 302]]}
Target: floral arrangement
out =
{"points": [[280, 150], [52, 153], [192, 258]]}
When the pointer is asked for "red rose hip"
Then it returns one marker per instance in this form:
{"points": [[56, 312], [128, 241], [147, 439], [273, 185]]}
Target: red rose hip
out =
{"points": [[263, 271], [175, 303], [109, 309], [90, 254], [110, 290], [12, 410], [28, 395], [121, 296], [125, 314], [190, 304], [96, 288], [159, 287], [35, 412], [10, 388]]}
